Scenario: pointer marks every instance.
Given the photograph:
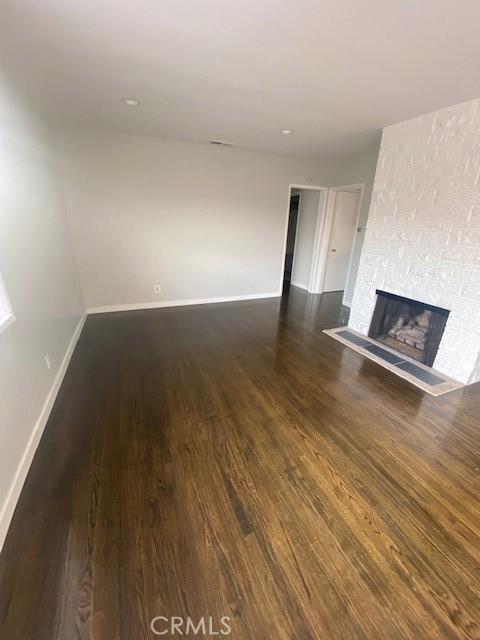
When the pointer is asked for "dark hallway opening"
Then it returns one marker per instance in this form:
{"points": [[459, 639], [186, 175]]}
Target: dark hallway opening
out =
{"points": [[291, 234]]}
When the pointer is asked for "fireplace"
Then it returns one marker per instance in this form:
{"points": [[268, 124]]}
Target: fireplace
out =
{"points": [[411, 327]]}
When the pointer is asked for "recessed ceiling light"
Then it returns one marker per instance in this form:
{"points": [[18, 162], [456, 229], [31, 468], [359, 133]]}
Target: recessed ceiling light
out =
{"points": [[286, 131], [132, 102]]}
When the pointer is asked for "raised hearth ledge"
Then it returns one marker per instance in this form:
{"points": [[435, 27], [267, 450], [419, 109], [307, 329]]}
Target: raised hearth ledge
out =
{"points": [[438, 389]]}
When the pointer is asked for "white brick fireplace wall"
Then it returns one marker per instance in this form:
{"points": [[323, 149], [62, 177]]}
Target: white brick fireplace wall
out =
{"points": [[423, 232]]}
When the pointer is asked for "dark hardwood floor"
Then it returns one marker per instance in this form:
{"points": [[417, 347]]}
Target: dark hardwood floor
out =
{"points": [[232, 460]]}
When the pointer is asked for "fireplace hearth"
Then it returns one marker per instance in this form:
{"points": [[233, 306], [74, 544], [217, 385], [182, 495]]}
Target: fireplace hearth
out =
{"points": [[411, 327]]}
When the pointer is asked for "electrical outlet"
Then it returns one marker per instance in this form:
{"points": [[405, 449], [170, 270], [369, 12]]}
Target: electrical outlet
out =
{"points": [[48, 361], [157, 289]]}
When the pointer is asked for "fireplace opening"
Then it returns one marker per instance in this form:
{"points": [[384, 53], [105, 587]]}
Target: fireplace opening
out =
{"points": [[408, 326]]}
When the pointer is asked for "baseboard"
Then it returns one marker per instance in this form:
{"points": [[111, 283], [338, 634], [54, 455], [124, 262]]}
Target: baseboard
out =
{"points": [[15, 490], [179, 303], [300, 285]]}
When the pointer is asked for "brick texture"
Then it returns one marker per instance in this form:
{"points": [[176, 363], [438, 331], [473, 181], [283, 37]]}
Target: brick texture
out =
{"points": [[423, 232]]}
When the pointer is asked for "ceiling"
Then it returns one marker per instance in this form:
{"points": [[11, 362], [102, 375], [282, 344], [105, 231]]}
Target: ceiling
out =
{"points": [[335, 71]]}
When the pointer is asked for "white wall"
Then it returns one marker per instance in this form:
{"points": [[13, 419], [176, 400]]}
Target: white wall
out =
{"points": [[39, 272], [357, 169], [423, 232], [201, 221], [304, 241]]}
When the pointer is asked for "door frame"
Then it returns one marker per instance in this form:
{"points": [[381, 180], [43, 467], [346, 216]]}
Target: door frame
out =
{"points": [[324, 240], [320, 217]]}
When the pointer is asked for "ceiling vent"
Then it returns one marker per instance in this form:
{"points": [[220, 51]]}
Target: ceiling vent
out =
{"points": [[222, 143]]}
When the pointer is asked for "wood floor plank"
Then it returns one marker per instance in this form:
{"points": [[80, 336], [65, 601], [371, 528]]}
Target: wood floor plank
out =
{"points": [[233, 460]]}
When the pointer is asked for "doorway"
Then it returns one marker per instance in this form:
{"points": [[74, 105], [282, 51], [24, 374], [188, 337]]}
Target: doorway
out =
{"points": [[306, 209], [323, 239]]}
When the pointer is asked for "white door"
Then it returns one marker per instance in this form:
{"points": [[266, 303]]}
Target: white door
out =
{"points": [[341, 240]]}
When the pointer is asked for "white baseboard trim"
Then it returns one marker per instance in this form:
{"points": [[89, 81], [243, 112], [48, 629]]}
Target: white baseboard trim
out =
{"points": [[179, 303], [8, 507], [300, 285]]}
